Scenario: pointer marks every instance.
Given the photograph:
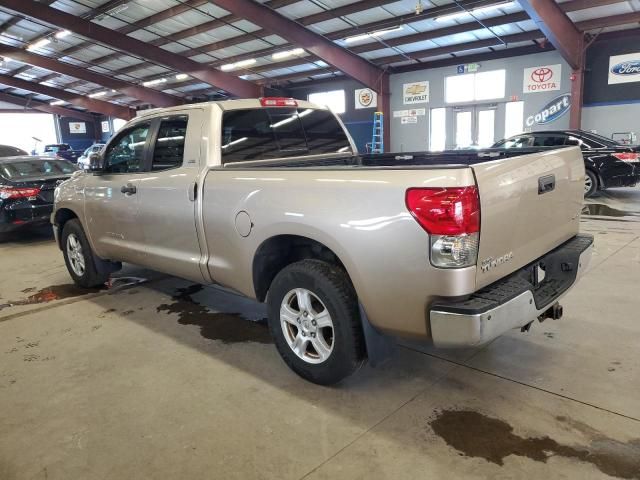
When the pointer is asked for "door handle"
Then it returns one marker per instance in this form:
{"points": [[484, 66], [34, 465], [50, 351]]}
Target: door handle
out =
{"points": [[546, 184], [129, 189], [193, 191]]}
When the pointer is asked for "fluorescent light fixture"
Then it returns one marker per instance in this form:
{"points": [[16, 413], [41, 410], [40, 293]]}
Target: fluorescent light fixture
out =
{"points": [[287, 53], [157, 81], [97, 94], [465, 13], [62, 33], [58, 102], [377, 33], [39, 44], [240, 64], [182, 76], [113, 91], [7, 59]]}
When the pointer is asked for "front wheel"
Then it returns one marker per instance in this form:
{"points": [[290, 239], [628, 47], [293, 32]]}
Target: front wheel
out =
{"points": [[315, 322], [590, 183], [78, 256]]}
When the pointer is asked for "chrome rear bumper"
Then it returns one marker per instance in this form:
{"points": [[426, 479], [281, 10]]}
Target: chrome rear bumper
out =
{"points": [[452, 326]]}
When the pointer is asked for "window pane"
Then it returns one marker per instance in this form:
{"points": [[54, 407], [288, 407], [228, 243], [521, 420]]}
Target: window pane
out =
{"points": [[459, 88], [324, 133], [486, 128], [514, 118], [247, 135], [490, 85], [169, 149], [463, 130], [549, 140], [125, 154], [438, 129], [287, 129], [334, 99]]}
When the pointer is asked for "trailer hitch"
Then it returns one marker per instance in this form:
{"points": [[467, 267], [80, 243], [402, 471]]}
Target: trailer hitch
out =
{"points": [[554, 312]]}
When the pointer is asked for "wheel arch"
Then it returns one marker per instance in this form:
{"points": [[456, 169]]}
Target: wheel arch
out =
{"points": [[62, 216]]}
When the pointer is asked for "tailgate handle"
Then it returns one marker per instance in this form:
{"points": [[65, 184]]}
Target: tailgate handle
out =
{"points": [[546, 184]]}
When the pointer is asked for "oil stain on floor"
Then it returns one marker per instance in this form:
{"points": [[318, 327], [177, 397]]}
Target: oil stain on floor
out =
{"points": [[49, 294], [226, 327], [476, 435], [600, 209]]}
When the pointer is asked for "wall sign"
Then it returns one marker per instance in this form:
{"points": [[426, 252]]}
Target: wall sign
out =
{"points": [[624, 68], [542, 79], [400, 113], [552, 111], [409, 120], [417, 92], [105, 127], [366, 98], [77, 127], [468, 68]]}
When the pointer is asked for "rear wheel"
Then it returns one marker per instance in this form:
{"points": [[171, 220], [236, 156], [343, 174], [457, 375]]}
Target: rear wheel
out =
{"points": [[590, 183], [79, 257], [315, 322]]}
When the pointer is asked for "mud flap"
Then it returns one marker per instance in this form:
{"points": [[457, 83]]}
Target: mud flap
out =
{"points": [[380, 348]]}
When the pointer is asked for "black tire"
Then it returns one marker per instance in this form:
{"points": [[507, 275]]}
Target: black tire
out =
{"points": [[331, 285], [592, 179], [91, 278]]}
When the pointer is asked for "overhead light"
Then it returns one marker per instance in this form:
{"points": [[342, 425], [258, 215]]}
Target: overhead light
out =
{"points": [[97, 94], [240, 64], [182, 76], [465, 13], [7, 59], [58, 102], [113, 91], [377, 33], [62, 34], [28, 75], [39, 44], [157, 81], [287, 54]]}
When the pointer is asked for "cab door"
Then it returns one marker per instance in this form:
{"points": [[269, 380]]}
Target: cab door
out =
{"points": [[111, 200], [167, 195]]}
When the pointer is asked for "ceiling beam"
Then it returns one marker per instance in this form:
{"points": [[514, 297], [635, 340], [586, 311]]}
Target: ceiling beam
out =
{"points": [[90, 104], [352, 65], [558, 28], [89, 30], [149, 95], [45, 107]]}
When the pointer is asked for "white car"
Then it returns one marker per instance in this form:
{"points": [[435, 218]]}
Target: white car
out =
{"points": [[83, 160]]}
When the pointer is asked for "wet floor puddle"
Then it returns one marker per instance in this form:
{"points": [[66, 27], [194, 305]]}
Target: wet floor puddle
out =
{"points": [[226, 327], [602, 210], [65, 291], [476, 435]]}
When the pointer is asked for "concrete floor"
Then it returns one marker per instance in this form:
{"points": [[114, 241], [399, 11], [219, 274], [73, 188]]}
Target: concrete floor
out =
{"points": [[163, 380]]}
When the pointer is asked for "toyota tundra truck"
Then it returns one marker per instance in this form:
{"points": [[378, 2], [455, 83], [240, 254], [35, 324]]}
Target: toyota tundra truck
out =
{"points": [[270, 198]]}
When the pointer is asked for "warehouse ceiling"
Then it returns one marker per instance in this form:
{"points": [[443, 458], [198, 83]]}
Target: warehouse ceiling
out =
{"points": [[207, 48]]}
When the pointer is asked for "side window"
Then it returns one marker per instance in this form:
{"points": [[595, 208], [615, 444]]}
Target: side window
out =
{"points": [[549, 140], [169, 149], [247, 135], [126, 153], [324, 133], [518, 142]]}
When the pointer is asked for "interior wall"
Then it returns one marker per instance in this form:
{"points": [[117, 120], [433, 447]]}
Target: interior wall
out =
{"points": [[78, 141], [415, 136]]}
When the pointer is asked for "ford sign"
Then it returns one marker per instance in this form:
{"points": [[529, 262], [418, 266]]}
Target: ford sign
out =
{"points": [[627, 68], [551, 111]]}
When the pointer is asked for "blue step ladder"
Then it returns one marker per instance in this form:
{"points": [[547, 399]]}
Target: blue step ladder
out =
{"points": [[377, 137]]}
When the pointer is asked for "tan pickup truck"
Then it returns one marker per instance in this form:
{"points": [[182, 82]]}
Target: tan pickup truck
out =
{"points": [[269, 197]]}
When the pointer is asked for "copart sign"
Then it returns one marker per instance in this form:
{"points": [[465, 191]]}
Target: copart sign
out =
{"points": [[624, 68], [542, 79], [551, 111]]}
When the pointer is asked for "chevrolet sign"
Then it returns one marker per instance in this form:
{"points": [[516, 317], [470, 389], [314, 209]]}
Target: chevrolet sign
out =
{"points": [[417, 92]]}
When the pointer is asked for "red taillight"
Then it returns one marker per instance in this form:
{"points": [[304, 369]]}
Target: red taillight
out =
{"points": [[445, 211], [17, 192], [626, 156], [278, 102]]}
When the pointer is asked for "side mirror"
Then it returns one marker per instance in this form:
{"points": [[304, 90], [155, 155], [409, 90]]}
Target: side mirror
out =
{"points": [[95, 162]]}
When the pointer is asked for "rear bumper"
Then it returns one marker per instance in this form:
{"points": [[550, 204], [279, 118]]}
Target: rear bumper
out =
{"points": [[512, 302], [17, 216]]}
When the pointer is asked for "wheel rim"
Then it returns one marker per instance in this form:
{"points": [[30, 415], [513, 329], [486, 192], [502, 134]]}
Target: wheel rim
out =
{"points": [[75, 255], [588, 183], [307, 325]]}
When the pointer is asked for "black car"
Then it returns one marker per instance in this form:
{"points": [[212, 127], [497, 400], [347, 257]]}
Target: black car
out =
{"points": [[607, 163], [27, 185], [62, 150]]}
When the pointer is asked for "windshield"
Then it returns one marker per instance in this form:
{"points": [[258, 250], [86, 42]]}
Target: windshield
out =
{"points": [[8, 151], [36, 168]]}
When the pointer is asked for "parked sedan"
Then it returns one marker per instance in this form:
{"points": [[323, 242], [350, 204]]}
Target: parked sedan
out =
{"points": [[9, 151], [607, 163], [62, 150], [27, 185], [83, 161]]}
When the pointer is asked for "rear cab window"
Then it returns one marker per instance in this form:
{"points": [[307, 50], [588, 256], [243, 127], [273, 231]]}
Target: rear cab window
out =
{"points": [[268, 133]]}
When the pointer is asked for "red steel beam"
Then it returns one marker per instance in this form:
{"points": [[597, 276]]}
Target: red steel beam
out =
{"points": [[45, 107], [92, 31], [91, 104], [149, 95], [558, 28]]}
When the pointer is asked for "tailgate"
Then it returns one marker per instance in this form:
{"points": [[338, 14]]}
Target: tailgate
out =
{"points": [[520, 221]]}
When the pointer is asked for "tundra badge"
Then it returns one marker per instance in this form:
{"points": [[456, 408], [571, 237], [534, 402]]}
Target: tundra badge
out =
{"points": [[489, 263]]}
